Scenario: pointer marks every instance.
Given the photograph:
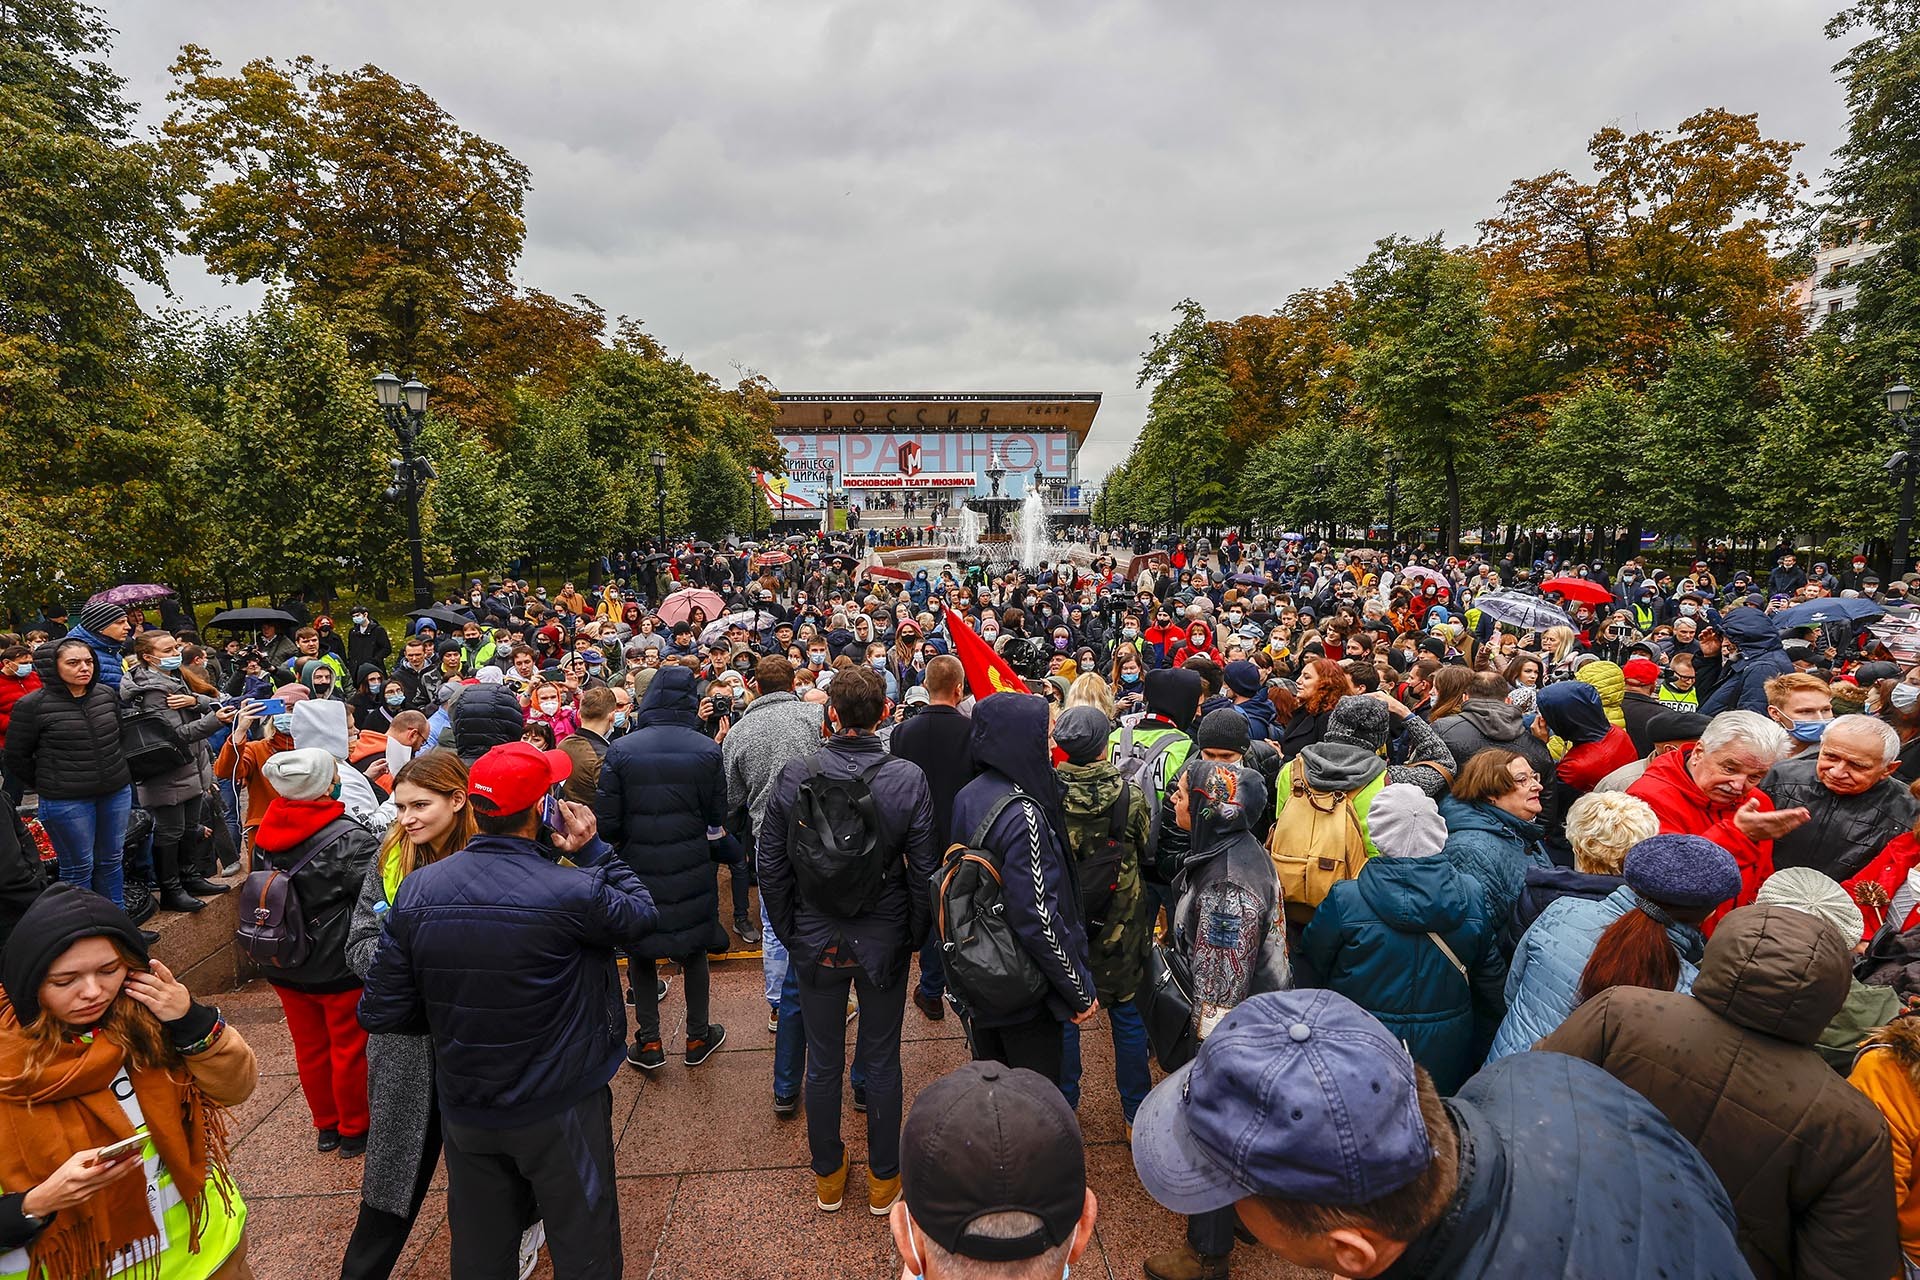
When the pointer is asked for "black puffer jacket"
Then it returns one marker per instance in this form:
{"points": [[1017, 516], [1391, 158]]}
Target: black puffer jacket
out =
{"points": [[663, 789], [63, 747], [1844, 832], [327, 886], [484, 716]]}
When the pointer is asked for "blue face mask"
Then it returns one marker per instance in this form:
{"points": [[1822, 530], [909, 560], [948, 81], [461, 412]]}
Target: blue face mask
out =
{"points": [[1809, 730], [396, 696], [24, 670], [619, 719], [1129, 677], [170, 664], [878, 664], [283, 723]]}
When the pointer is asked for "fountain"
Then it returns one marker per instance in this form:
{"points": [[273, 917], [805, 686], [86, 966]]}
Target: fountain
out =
{"points": [[970, 527], [1035, 546], [994, 506]]}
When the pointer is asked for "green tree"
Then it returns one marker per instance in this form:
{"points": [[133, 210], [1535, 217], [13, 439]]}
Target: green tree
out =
{"points": [[1589, 465], [1422, 340], [576, 506], [85, 207], [474, 515], [718, 492], [354, 189]]}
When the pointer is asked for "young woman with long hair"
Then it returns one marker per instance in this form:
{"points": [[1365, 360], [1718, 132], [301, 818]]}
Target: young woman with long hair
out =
{"points": [[98, 1043], [1322, 683], [155, 687]]}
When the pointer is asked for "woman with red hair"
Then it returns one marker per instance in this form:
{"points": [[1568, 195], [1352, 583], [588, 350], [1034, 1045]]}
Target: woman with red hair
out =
{"points": [[1322, 683]]}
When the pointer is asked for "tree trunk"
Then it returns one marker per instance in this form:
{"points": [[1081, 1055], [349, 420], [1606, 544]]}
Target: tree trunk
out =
{"points": [[1453, 506]]}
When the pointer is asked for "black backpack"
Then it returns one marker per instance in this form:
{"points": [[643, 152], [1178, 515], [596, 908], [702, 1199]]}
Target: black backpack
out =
{"points": [[152, 744], [1098, 865], [986, 967], [833, 841], [272, 929]]}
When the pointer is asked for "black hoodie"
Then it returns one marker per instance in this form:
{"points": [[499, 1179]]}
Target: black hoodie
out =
{"points": [[63, 747]]}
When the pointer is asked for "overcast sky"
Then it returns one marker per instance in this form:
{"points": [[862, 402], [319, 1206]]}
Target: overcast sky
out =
{"points": [[1008, 196]]}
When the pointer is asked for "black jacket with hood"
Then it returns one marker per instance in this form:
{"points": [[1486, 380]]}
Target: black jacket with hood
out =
{"points": [[1010, 739], [1483, 723], [63, 747]]}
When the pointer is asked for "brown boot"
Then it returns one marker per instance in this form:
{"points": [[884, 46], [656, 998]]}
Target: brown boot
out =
{"points": [[1184, 1264]]}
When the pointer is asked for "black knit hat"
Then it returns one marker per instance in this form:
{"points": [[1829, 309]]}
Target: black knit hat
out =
{"points": [[58, 918], [1223, 730]]}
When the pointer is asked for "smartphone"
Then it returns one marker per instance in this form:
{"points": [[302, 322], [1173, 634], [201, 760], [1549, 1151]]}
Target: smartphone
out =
{"points": [[117, 1151], [271, 707], [550, 811]]}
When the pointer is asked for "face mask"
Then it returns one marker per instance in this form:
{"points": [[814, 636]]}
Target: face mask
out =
{"points": [[334, 793], [283, 723], [1689, 610], [1904, 696], [1129, 677], [1060, 644], [989, 634], [359, 619], [396, 696], [816, 659], [321, 690], [549, 705], [879, 663], [1131, 633], [170, 664], [24, 670], [1234, 616], [1809, 730], [619, 719]]}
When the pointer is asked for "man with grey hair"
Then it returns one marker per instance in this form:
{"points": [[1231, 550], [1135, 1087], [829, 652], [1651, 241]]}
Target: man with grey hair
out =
{"points": [[1713, 790], [1848, 789]]}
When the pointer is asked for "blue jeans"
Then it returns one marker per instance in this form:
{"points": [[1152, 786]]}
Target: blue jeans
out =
{"points": [[933, 977], [773, 960], [88, 835], [790, 1042], [1130, 1072]]}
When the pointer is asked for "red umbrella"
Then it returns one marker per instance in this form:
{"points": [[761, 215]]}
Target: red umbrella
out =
{"points": [[1583, 590], [772, 557], [887, 571]]}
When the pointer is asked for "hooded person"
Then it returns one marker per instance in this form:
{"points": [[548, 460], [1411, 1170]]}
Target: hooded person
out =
{"points": [[1227, 921], [1647, 931], [485, 715], [1867, 1008], [1743, 683], [1596, 746], [1804, 1156], [322, 723], [1410, 941], [1106, 828], [1014, 809], [1350, 758], [1250, 699], [104, 627], [376, 700], [662, 804], [324, 677]]}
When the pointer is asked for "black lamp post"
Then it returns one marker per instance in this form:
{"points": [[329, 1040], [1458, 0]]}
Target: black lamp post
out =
{"points": [[659, 460], [1393, 500], [405, 407], [1903, 463]]}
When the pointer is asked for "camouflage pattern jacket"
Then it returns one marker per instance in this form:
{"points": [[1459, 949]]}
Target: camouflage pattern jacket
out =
{"points": [[1117, 942]]}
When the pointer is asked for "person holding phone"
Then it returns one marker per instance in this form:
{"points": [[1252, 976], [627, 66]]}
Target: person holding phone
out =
{"points": [[113, 1081]]}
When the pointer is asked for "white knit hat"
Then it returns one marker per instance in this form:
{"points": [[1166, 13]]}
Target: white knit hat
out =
{"points": [[303, 774], [1817, 894], [1405, 822]]}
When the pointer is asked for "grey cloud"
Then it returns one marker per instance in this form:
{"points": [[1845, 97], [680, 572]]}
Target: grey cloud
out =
{"points": [[1001, 194]]}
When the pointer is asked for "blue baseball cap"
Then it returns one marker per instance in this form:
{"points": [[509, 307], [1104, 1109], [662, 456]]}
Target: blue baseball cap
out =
{"points": [[1297, 1094]]}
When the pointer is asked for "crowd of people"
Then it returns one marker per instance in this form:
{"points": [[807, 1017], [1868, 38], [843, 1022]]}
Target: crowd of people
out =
{"points": [[1448, 917]]}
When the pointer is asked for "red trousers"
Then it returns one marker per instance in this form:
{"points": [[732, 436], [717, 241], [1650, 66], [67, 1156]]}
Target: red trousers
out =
{"points": [[330, 1050]]}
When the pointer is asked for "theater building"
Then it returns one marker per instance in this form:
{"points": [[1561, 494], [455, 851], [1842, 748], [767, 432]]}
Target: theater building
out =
{"points": [[936, 445]]}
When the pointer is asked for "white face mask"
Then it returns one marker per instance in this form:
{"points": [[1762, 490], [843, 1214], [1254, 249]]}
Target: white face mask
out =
{"points": [[549, 705]]}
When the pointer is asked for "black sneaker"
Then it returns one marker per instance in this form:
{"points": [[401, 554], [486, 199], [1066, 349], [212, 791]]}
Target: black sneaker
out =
{"points": [[660, 988], [328, 1140], [353, 1148], [698, 1051], [785, 1106], [647, 1057], [860, 1098], [745, 928]]}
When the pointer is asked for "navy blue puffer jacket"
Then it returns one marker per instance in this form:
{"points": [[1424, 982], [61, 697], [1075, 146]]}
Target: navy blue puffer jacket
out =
{"points": [[507, 959], [663, 792], [483, 717]]}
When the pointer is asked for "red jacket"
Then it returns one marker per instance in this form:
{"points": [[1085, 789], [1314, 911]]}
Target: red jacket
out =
{"points": [[1684, 809], [1584, 766], [1889, 871], [12, 689]]}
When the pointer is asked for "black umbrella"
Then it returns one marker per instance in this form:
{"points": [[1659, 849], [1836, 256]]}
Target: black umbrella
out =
{"points": [[247, 619], [446, 617]]}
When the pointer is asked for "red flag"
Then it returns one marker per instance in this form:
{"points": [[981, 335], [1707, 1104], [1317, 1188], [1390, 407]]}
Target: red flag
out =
{"points": [[987, 672]]}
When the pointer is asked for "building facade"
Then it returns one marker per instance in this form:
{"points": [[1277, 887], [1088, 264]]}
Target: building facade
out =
{"points": [[844, 448]]}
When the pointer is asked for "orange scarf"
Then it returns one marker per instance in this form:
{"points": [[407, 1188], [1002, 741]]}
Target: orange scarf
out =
{"points": [[49, 1112]]}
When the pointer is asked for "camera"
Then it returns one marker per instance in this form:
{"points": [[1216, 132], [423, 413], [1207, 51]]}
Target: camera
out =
{"points": [[1027, 656]]}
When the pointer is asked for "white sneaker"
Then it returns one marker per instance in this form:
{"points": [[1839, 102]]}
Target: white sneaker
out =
{"points": [[530, 1241]]}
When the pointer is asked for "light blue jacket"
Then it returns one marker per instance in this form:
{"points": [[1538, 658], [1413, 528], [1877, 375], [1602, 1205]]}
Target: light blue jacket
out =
{"points": [[1543, 980]]}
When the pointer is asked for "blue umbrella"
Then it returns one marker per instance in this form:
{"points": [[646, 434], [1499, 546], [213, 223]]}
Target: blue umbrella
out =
{"points": [[1816, 612]]}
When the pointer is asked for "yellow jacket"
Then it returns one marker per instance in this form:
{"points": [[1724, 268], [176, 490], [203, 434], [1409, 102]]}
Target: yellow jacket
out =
{"points": [[1888, 1072]]}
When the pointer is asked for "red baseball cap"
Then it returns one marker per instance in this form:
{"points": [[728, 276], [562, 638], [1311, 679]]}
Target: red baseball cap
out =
{"points": [[1640, 671], [514, 775]]}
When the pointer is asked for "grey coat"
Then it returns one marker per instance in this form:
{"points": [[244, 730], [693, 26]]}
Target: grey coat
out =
{"points": [[775, 728], [145, 690], [400, 1093]]}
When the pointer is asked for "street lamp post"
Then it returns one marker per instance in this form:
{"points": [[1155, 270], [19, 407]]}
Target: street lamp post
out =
{"points": [[659, 460], [1899, 399], [405, 407], [1393, 500]]}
